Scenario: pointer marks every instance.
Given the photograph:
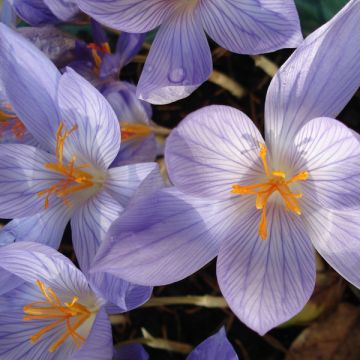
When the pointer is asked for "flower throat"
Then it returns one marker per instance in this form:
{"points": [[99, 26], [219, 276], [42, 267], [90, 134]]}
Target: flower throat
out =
{"points": [[276, 183]]}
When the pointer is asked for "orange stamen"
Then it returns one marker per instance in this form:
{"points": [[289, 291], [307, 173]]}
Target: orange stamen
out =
{"points": [[276, 183], [133, 131], [72, 314], [97, 51], [11, 121], [75, 178]]}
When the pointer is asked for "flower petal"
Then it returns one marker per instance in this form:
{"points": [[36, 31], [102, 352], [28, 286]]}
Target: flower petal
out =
{"points": [[34, 12], [89, 225], [64, 10], [123, 181], [317, 80], [330, 152], [214, 347], [336, 236], [34, 261], [163, 238], [213, 149], [131, 352], [97, 138], [30, 81], [98, 345], [266, 282], [124, 295], [136, 16], [46, 227], [23, 175], [252, 27], [179, 60]]}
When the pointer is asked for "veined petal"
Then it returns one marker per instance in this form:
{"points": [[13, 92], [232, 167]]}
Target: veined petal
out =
{"points": [[30, 81], [317, 80], [34, 261], [336, 236], [330, 152], [98, 345], [211, 150], [34, 12], [64, 10], [89, 225], [23, 175], [46, 227], [136, 16], [266, 282], [15, 333], [130, 352], [179, 60], [252, 27], [214, 347], [163, 238], [123, 181], [124, 295], [97, 138]]}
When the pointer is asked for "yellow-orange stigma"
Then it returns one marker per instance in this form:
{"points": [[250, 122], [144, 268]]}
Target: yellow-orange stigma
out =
{"points": [[96, 51], [131, 131], [72, 315], [11, 121], [75, 178], [277, 183]]}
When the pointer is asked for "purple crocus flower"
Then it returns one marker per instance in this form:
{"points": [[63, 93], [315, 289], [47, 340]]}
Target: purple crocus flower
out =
{"points": [[180, 59], [43, 190], [259, 204], [54, 313], [102, 68], [130, 352], [41, 12]]}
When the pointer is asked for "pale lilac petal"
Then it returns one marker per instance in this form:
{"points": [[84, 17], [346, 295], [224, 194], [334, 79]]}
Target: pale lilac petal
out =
{"points": [[34, 12], [130, 352], [163, 238], [46, 227], [317, 80], [215, 347], [252, 27], [8, 14], [213, 149], [30, 81], [15, 333], [23, 175], [89, 225], [330, 152], [124, 295], [266, 282], [179, 60], [123, 181], [336, 236], [135, 16], [98, 345], [64, 10], [97, 138]]}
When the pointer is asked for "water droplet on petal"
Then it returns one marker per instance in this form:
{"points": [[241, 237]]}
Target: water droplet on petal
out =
{"points": [[177, 75]]}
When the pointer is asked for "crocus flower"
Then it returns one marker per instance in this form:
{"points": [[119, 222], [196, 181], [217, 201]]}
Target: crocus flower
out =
{"points": [[54, 313], [43, 190], [102, 68], [41, 12], [259, 204], [130, 352], [180, 59]]}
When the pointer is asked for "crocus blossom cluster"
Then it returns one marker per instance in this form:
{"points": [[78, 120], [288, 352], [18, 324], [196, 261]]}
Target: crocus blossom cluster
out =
{"points": [[180, 60], [78, 145], [258, 204]]}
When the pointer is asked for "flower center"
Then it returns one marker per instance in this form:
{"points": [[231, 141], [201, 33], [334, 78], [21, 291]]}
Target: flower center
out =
{"points": [[76, 178], [97, 53], [11, 121], [277, 183], [133, 131], [72, 314]]}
